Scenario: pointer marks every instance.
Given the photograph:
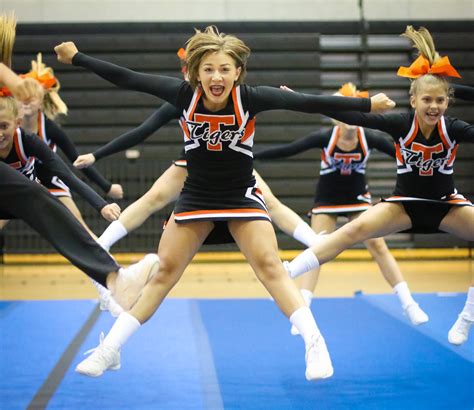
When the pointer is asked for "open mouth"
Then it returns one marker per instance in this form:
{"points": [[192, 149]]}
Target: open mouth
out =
{"points": [[217, 90], [432, 116]]}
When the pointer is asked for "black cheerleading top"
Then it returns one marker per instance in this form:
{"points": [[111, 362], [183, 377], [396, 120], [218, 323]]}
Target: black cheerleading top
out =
{"points": [[155, 121], [463, 92], [342, 172], [424, 166], [28, 147], [218, 144], [53, 136]]}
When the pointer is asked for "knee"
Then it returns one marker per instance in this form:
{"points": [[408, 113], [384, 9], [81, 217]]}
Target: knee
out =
{"points": [[376, 246], [268, 266], [356, 231], [167, 272]]}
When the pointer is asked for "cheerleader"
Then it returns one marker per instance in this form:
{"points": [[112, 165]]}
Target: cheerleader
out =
{"points": [[220, 189], [425, 199]]}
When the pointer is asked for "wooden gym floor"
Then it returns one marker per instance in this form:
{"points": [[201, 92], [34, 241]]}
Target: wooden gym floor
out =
{"points": [[220, 275]]}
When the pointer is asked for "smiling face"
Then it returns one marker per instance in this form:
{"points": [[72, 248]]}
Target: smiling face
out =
{"points": [[8, 125], [217, 74], [430, 101]]}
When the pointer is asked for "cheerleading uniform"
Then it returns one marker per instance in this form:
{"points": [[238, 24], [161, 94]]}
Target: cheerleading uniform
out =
{"points": [[342, 186], [425, 184]]}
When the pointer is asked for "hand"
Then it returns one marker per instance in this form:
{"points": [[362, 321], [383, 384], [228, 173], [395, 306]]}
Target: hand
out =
{"points": [[23, 89], [84, 161], [66, 51], [110, 212], [381, 103], [115, 192]]}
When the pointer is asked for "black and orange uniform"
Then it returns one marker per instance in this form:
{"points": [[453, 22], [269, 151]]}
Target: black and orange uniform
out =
{"points": [[53, 221], [342, 187], [425, 184], [154, 122], [53, 136], [220, 185], [27, 150]]}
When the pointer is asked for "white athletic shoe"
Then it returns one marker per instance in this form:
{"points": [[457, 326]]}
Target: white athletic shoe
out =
{"points": [[102, 358], [415, 314], [318, 361], [130, 281], [459, 333], [107, 302], [294, 331]]}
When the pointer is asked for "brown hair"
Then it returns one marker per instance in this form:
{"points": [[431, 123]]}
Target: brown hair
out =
{"points": [[423, 42], [211, 41]]}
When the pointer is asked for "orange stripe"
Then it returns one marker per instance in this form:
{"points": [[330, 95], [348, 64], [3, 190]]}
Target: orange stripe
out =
{"points": [[341, 206], [453, 155], [16, 141], [331, 147], [39, 125], [222, 211], [398, 153], [442, 136], [184, 127], [413, 135], [191, 113], [359, 135], [236, 106], [249, 130]]}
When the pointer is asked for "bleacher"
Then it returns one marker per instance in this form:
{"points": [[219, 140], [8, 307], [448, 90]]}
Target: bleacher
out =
{"points": [[308, 57]]}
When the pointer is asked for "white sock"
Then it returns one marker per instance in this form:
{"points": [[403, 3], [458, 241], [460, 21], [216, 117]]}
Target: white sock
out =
{"points": [[303, 263], [469, 306], [304, 234], [303, 320], [101, 289], [124, 327], [114, 232], [404, 294], [307, 296]]}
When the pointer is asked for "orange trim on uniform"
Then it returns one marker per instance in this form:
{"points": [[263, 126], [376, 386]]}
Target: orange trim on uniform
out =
{"points": [[236, 106], [442, 135], [342, 206], [453, 155], [249, 130], [415, 132], [223, 211], [19, 153], [182, 123], [193, 108], [398, 153], [361, 141], [331, 147]]}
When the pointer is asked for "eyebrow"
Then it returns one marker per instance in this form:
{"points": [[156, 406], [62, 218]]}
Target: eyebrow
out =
{"points": [[222, 65]]}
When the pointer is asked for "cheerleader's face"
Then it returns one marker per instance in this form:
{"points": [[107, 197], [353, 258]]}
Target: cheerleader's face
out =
{"points": [[8, 125], [217, 74], [430, 103], [32, 108]]}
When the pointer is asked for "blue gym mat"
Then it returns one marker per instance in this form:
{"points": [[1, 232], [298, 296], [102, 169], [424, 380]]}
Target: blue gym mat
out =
{"points": [[238, 354]]}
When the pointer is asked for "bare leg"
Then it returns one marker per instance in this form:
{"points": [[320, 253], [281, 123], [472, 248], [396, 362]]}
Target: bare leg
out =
{"points": [[319, 222], [285, 218], [257, 241], [460, 222], [178, 245], [380, 220], [165, 190]]}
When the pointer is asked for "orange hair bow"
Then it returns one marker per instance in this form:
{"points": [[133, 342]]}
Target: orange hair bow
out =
{"points": [[5, 92], [47, 80], [421, 66], [350, 90], [181, 53]]}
